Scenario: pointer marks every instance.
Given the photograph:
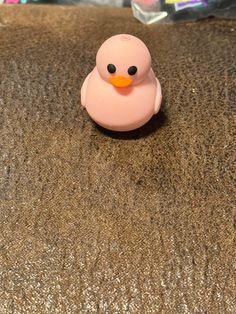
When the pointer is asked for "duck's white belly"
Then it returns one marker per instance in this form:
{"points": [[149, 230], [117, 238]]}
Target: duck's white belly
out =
{"points": [[120, 109]]}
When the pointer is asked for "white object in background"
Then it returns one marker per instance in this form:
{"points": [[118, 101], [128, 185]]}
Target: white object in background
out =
{"points": [[148, 11]]}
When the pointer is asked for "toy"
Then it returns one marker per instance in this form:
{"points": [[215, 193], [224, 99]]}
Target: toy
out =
{"points": [[122, 92]]}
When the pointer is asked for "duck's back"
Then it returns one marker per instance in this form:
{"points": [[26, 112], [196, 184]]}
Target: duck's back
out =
{"points": [[120, 108]]}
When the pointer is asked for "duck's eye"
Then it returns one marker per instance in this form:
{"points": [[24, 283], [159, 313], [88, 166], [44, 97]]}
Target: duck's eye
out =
{"points": [[111, 68], [132, 70]]}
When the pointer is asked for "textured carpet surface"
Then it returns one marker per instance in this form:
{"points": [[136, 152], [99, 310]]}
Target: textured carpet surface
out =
{"points": [[98, 222]]}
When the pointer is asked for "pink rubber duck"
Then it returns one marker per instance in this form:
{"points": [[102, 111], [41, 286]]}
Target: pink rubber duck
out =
{"points": [[122, 92]]}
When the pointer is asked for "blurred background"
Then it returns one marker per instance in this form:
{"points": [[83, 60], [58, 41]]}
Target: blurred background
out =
{"points": [[155, 11]]}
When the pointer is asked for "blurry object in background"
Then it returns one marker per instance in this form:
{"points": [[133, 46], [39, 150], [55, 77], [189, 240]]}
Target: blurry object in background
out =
{"points": [[149, 11], [153, 11], [12, 1]]}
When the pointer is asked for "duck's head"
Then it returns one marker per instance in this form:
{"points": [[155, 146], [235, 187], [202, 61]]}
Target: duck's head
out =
{"points": [[123, 60]]}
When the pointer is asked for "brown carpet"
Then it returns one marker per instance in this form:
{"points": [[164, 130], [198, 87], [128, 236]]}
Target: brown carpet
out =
{"points": [[98, 222]]}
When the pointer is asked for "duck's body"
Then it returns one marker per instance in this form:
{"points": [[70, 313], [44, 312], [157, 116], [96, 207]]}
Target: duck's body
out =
{"points": [[121, 108]]}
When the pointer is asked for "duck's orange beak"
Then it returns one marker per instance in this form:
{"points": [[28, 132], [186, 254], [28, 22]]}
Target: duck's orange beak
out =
{"points": [[120, 81]]}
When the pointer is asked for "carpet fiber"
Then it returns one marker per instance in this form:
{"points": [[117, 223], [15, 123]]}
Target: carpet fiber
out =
{"points": [[98, 222]]}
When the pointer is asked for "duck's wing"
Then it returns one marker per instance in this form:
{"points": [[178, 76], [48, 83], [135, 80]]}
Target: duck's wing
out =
{"points": [[84, 91], [158, 98]]}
